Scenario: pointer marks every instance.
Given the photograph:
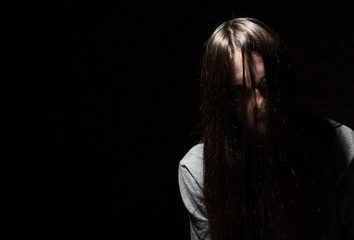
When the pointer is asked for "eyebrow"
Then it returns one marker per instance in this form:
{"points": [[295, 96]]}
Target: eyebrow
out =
{"points": [[233, 86]]}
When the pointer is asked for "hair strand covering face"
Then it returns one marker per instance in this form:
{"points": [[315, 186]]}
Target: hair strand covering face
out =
{"points": [[240, 201]]}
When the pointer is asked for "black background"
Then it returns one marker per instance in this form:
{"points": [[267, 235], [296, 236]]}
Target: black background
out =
{"points": [[101, 103]]}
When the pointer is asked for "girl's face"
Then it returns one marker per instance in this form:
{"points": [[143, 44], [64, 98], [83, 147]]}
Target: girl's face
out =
{"points": [[251, 104]]}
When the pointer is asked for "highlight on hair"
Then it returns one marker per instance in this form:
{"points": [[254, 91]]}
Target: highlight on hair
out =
{"points": [[249, 188]]}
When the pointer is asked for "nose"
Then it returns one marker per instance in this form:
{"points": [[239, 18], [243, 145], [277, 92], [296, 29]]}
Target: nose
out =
{"points": [[260, 101]]}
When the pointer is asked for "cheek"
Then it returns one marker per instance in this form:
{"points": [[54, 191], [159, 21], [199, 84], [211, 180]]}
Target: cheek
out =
{"points": [[238, 112], [245, 114]]}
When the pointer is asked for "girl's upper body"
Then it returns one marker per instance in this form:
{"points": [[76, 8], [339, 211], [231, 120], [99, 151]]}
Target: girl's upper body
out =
{"points": [[265, 169], [333, 164]]}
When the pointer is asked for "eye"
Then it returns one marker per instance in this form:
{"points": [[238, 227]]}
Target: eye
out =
{"points": [[262, 84], [236, 92]]}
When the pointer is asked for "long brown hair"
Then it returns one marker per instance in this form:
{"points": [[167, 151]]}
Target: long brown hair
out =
{"points": [[249, 189]]}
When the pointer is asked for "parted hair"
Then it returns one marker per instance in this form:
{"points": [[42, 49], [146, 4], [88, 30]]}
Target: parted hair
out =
{"points": [[249, 188]]}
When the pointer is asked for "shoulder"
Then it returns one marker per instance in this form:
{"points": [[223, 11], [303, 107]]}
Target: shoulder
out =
{"points": [[343, 138], [193, 159], [327, 142], [190, 177], [323, 129], [191, 165], [342, 134], [342, 149]]}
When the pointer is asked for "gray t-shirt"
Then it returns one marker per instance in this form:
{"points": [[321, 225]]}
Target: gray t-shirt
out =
{"points": [[190, 179]]}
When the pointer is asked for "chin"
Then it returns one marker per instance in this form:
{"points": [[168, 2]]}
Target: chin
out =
{"points": [[258, 130], [261, 129]]}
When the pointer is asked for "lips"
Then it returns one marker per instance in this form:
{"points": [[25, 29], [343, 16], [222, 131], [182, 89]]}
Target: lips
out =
{"points": [[261, 117]]}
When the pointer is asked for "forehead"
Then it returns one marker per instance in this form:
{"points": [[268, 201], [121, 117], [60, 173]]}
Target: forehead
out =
{"points": [[257, 67]]}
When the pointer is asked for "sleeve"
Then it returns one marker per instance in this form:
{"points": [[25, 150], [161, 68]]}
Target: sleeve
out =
{"points": [[192, 196], [344, 188]]}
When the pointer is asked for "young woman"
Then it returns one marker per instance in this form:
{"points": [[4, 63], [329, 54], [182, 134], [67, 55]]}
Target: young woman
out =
{"points": [[263, 169]]}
